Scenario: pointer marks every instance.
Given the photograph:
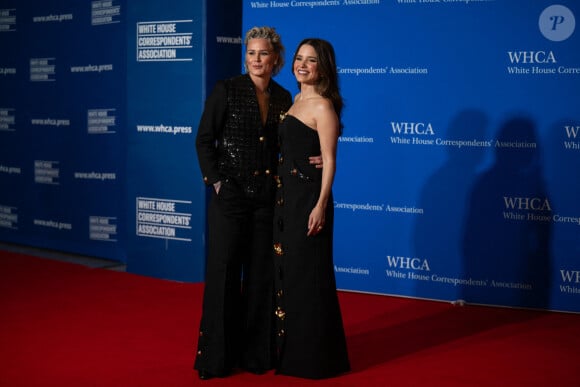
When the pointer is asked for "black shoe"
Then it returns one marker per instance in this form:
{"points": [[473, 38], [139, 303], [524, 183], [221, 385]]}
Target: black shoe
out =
{"points": [[204, 375]]}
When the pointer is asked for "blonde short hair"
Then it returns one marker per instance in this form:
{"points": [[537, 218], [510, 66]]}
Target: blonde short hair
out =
{"points": [[270, 34]]}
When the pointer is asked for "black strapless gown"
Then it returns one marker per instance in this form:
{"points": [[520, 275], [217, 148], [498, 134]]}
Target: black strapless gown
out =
{"points": [[310, 333]]}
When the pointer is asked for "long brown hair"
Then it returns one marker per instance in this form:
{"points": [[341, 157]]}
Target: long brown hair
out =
{"points": [[327, 85]]}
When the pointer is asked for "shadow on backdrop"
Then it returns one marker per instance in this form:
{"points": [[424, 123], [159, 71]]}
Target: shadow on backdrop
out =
{"points": [[562, 155], [438, 233], [508, 225]]}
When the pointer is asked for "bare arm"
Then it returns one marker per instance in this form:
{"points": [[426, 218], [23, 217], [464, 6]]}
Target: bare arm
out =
{"points": [[327, 125]]}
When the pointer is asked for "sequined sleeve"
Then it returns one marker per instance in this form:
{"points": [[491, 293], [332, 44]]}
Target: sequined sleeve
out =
{"points": [[208, 133]]}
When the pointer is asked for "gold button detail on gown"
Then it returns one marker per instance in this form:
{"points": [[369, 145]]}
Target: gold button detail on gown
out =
{"points": [[280, 313], [278, 249]]}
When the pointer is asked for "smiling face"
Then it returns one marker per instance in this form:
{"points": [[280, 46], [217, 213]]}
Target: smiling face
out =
{"points": [[260, 57], [305, 65]]}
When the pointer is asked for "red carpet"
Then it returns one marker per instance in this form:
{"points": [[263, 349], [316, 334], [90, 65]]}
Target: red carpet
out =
{"points": [[67, 325]]}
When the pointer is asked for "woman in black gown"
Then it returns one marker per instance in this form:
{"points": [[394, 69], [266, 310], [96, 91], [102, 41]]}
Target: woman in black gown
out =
{"points": [[310, 333]]}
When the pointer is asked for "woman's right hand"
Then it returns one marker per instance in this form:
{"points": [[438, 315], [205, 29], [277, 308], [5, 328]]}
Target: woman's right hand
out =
{"points": [[217, 186]]}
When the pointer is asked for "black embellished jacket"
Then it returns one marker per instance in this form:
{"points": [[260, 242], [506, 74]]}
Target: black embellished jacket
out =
{"points": [[231, 141]]}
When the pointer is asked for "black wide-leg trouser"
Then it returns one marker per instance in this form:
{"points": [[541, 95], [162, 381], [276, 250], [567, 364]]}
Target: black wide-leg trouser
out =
{"points": [[237, 315]]}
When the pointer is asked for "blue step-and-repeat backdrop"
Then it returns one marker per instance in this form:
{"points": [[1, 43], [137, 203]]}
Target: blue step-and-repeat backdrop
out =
{"points": [[62, 125], [99, 105], [175, 54], [457, 170]]}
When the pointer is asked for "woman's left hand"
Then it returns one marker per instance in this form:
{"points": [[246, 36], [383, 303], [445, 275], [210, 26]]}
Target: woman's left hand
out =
{"points": [[315, 221]]}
